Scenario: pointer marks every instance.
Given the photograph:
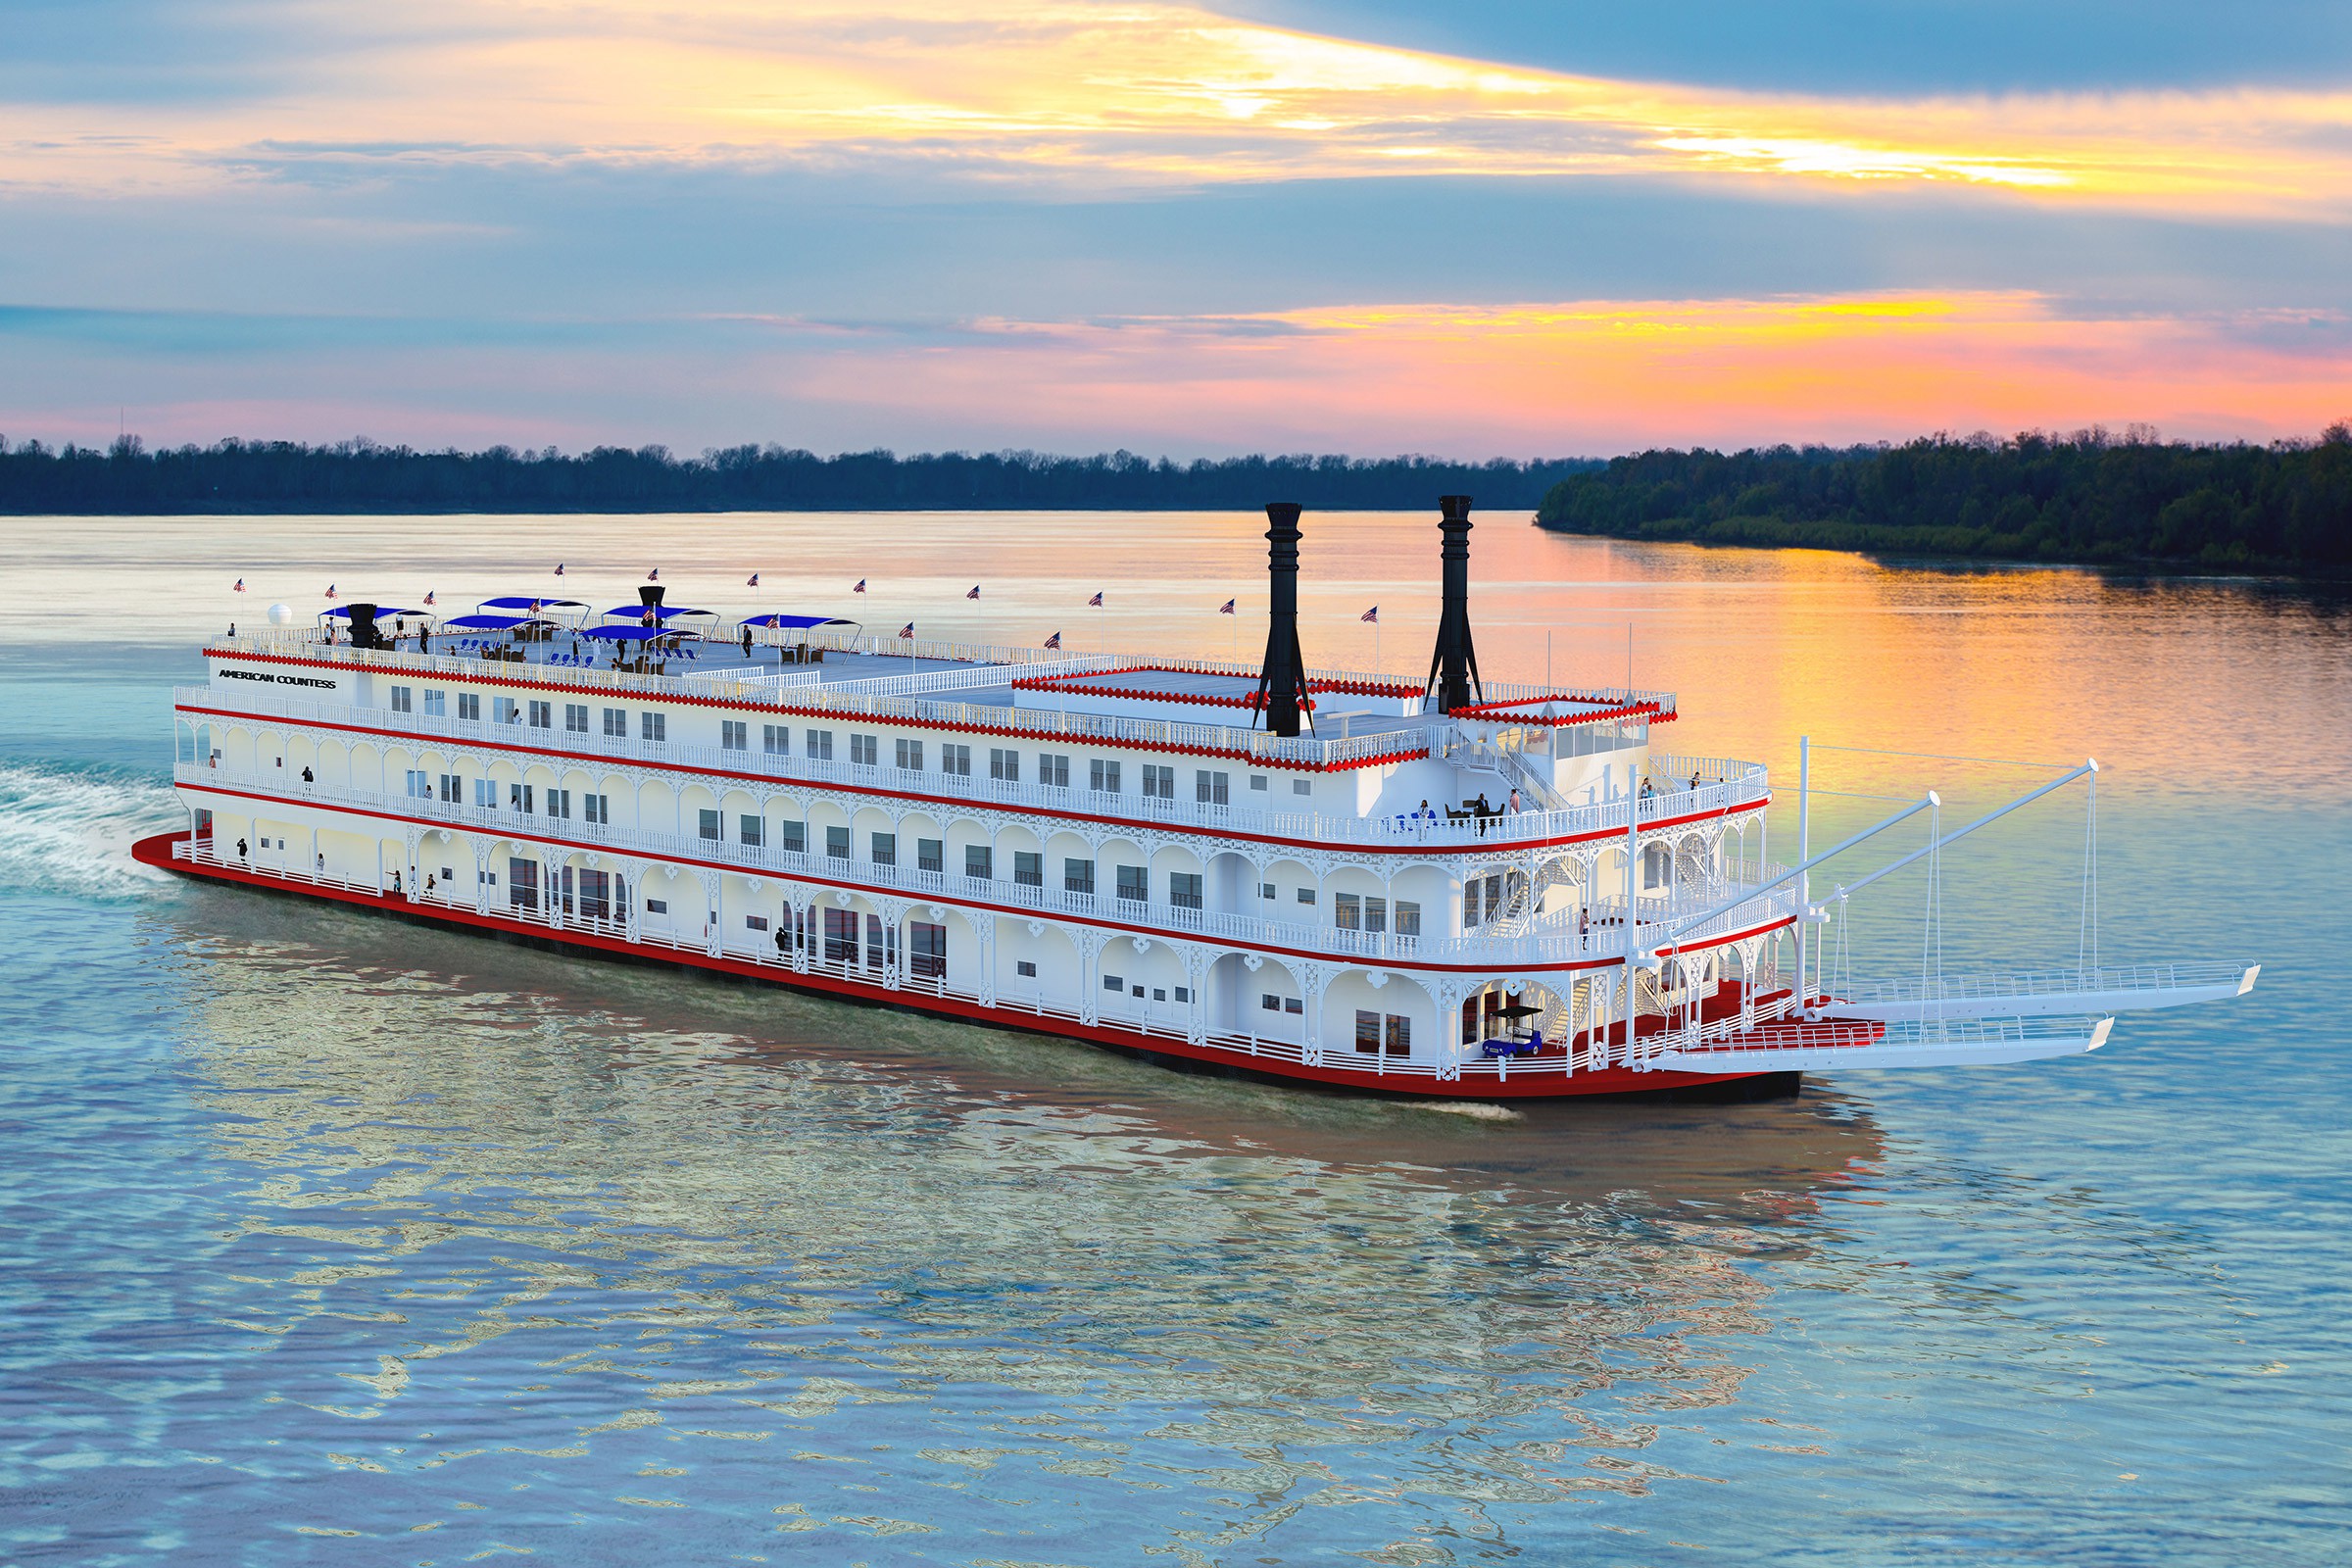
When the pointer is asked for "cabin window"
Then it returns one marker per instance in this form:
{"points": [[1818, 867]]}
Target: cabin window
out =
{"points": [[1408, 919], [1211, 788], [657, 905], [597, 809], [1078, 876], [956, 760], [437, 704], [469, 706], [1028, 869], [1257, 782], [751, 830], [505, 710], [1102, 776], [1376, 913], [1367, 1032], [1379, 1033], [1004, 765], [1024, 968], [400, 700], [776, 739], [793, 836], [837, 842], [1054, 770], [926, 951], [707, 826], [1301, 785], [600, 891], [485, 792], [653, 726], [523, 884], [1266, 890], [1347, 912], [419, 785], [1184, 993], [820, 745], [559, 804], [1307, 894], [1159, 783], [979, 862], [1184, 888], [1268, 1002], [543, 715], [755, 922], [886, 848], [576, 718], [906, 751], [734, 735], [1135, 886], [930, 854], [519, 798], [1112, 982], [617, 724], [453, 788]]}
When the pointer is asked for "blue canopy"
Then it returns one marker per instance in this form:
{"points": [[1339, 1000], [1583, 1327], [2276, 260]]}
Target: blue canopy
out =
{"points": [[488, 622], [661, 611], [626, 634], [343, 611], [779, 621], [529, 600]]}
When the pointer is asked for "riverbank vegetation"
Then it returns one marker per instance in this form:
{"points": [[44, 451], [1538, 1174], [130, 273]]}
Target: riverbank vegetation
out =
{"points": [[361, 476], [2088, 497]]}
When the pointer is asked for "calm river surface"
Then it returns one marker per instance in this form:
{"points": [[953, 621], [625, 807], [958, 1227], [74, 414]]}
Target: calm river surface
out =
{"points": [[328, 1240]]}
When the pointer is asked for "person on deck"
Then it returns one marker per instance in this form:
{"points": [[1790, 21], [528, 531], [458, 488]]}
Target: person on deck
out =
{"points": [[1584, 928], [1516, 807], [240, 849], [747, 640]]}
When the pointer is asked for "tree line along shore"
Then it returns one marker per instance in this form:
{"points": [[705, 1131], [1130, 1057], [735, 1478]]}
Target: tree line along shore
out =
{"points": [[2083, 498], [362, 476]]}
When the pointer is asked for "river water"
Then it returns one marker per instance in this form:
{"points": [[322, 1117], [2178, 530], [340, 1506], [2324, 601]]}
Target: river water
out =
{"points": [[325, 1239]]}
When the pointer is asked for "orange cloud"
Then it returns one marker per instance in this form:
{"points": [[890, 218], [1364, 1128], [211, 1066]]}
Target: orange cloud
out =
{"points": [[1064, 90], [1607, 376]]}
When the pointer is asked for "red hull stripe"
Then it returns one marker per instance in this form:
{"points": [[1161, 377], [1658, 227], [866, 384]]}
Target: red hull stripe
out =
{"points": [[156, 853], [878, 793], [1015, 910]]}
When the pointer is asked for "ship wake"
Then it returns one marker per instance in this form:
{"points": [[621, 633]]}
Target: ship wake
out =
{"points": [[67, 832]]}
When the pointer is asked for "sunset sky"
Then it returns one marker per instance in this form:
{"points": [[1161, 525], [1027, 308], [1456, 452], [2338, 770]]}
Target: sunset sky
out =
{"points": [[1363, 226]]}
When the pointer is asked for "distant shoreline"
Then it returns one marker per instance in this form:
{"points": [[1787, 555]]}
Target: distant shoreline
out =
{"points": [[358, 478], [2086, 500]]}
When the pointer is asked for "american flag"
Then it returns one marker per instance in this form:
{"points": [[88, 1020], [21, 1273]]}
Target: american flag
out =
{"points": [[1053, 641], [559, 568], [754, 581], [907, 630], [975, 592], [1372, 616], [860, 588], [534, 607], [1096, 602], [240, 588], [653, 575], [428, 599], [1225, 609], [330, 590]]}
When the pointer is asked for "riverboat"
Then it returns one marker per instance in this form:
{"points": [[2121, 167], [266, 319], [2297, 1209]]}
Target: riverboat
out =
{"points": [[1452, 888]]}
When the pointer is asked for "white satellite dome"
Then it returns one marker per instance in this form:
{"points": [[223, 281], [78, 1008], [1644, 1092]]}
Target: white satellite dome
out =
{"points": [[279, 614]]}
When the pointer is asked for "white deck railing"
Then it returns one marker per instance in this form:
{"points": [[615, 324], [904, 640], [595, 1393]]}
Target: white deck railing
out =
{"points": [[1727, 792], [1502, 951]]}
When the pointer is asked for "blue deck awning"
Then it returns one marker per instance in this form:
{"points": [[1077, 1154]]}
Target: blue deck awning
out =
{"points": [[661, 611], [490, 623], [529, 601], [779, 620]]}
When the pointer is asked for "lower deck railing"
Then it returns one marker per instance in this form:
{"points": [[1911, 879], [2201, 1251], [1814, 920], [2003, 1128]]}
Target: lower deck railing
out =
{"points": [[1585, 1054]]}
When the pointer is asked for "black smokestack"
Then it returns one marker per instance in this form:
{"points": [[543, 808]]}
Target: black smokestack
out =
{"points": [[1282, 685], [649, 594], [363, 628], [1454, 666]]}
